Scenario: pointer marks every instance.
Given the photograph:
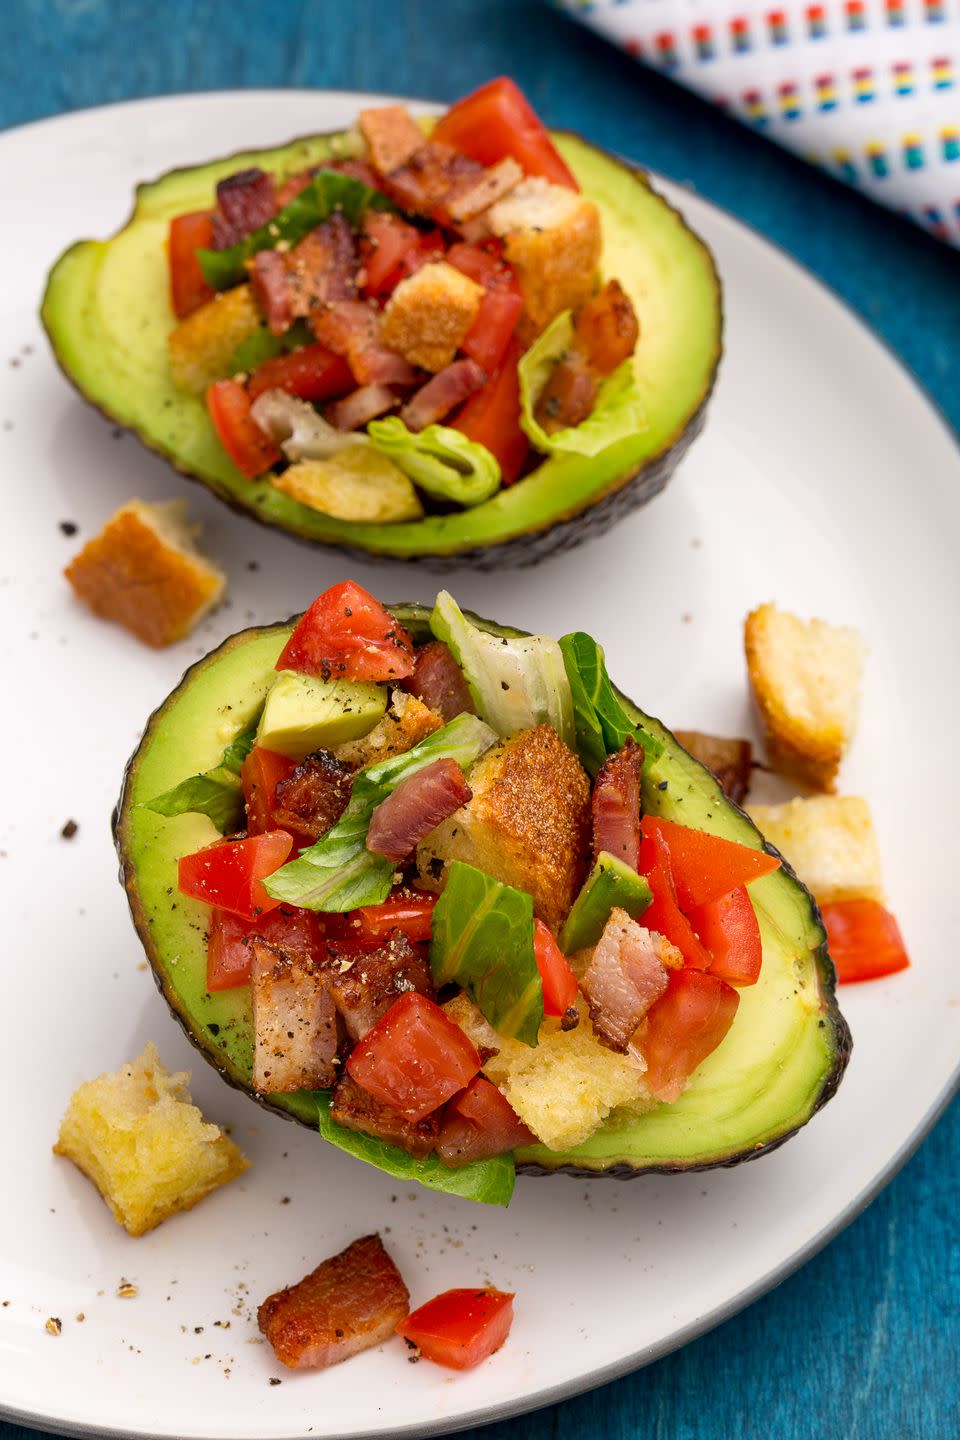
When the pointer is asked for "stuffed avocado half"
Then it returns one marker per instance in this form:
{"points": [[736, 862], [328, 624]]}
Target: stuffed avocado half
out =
{"points": [[524, 431], [490, 833]]}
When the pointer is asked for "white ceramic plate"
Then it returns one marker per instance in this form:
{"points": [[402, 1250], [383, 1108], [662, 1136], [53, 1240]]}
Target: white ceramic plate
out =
{"points": [[825, 480]]}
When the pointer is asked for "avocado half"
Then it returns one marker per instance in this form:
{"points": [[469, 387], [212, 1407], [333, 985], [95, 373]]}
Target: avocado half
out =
{"points": [[781, 1061], [107, 314]]}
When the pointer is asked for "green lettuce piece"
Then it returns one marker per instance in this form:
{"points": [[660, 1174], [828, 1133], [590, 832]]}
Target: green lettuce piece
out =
{"points": [[339, 872], [264, 345], [440, 460], [602, 724], [617, 415], [216, 793], [515, 683], [483, 941], [329, 190], [488, 1181]]}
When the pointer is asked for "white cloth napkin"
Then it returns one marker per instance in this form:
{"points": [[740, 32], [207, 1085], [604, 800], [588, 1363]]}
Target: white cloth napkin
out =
{"points": [[867, 89]]}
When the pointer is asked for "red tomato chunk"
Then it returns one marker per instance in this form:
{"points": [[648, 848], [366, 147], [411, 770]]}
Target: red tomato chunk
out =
{"points": [[227, 875], [414, 1059], [497, 120], [704, 867], [730, 930], [460, 1327], [683, 1027], [188, 288], [864, 940], [311, 373], [478, 1124], [249, 447], [229, 956], [558, 980], [414, 917], [261, 773], [347, 634]]}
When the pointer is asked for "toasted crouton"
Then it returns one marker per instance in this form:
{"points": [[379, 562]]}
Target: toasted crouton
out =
{"points": [[805, 676], [144, 571], [392, 135], [527, 824], [565, 1086], [552, 238], [147, 1149], [202, 347], [406, 723], [357, 483], [830, 842], [428, 315]]}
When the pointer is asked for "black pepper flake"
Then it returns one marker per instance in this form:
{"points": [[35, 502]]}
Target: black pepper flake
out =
{"points": [[69, 829], [214, 1029], [570, 1018], [274, 1380], [253, 565], [68, 527], [338, 1334], [663, 784]]}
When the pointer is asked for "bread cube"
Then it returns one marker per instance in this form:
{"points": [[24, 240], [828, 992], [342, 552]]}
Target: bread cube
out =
{"points": [[201, 348], [830, 842], [147, 1149], [406, 723], [392, 136], [358, 484], [552, 238], [145, 572], [805, 676], [428, 315]]}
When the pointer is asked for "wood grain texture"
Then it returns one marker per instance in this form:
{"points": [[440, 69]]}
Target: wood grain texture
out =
{"points": [[861, 1344]]}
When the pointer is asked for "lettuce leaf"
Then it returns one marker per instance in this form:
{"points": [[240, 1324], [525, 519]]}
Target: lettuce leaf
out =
{"points": [[488, 1181], [440, 460], [617, 415], [216, 793], [515, 683], [264, 345], [339, 872], [483, 941], [602, 724], [329, 190]]}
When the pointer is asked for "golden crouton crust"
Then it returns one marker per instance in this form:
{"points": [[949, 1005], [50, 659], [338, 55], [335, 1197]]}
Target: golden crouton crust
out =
{"points": [[556, 268], [201, 347], [132, 573], [809, 747], [428, 315], [392, 135], [406, 723], [357, 484], [830, 842]]}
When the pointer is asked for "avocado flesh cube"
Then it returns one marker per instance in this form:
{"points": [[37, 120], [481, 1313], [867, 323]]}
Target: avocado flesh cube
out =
{"points": [[781, 1061], [304, 713], [106, 310], [610, 883]]}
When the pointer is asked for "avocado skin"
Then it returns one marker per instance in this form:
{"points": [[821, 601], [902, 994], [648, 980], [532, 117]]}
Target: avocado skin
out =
{"points": [[416, 619], [631, 489]]}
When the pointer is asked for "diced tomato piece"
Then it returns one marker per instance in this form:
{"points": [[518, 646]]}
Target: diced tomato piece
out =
{"points": [[492, 417], [864, 940], [663, 914], [249, 447], [348, 634], [415, 1058], [478, 1124], [188, 288], [261, 774], [730, 930], [227, 874], [491, 332], [311, 373], [484, 264], [559, 981], [229, 956], [413, 917], [498, 120], [384, 242], [705, 866], [460, 1327], [683, 1027]]}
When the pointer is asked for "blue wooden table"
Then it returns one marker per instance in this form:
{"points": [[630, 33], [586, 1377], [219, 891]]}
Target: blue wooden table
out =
{"points": [[863, 1343]]}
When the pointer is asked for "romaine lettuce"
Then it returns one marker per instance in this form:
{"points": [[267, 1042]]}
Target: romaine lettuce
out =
{"points": [[440, 460], [617, 415], [602, 724], [216, 793]]}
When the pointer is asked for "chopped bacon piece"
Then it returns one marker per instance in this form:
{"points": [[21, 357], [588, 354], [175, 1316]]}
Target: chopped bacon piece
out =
{"points": [[294, 1022], [569, 394], [356, 1109], [476, 193], [439, 682], [322, 268], [245, 201], [315, 796], [628, 971], [607, 329], [423, 183], [478, 1124], [616, 805], [357, 170], [730, 760], [352, 328], [443, 393], [392, 136], [361, 406], [349, 1303], [416, 807], [364, 983], [268, 281]]}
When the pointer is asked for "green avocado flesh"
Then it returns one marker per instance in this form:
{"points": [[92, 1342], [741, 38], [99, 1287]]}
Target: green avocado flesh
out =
{"points": [[781, 1060], [107, 313]]}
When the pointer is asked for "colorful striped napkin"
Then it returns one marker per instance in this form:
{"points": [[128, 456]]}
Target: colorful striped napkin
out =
{"points": [[867, 89]]}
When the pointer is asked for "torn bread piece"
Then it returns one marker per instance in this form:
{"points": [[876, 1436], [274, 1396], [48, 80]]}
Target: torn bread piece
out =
{"points": [[429, 314], [830, 842], [805, 676], [144, 571]]}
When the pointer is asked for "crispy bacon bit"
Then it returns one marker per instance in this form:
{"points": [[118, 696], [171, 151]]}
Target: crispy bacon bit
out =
{"points": [[478, 1124], [354, 1108], [349, 1303], [245, 201], [607, 329], [616, 805], [268, 280], [730, 760], [415, 808], [294, 1022], [352, 328], [477, 192], [392, 136], [321, 269], [365, 983], [315, 796], [626, 974], [357, 170], [438, 681], [569, 394], [361, 406], [443, 393], [422, 184]]}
